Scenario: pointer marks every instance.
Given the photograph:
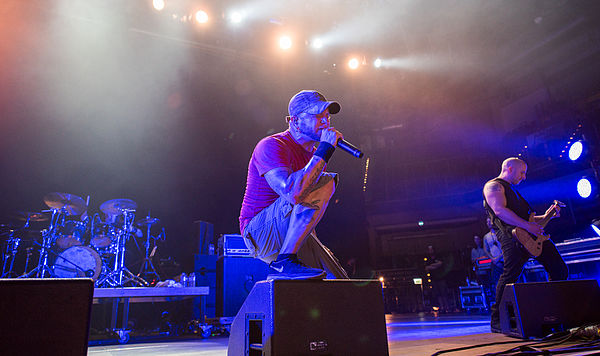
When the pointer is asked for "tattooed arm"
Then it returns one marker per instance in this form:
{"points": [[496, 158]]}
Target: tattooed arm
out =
{"points": [[496, 199], [295, 186]]}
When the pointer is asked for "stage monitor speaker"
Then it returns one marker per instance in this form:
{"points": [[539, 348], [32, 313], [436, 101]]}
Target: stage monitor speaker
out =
{"points": [[45, 316], [235, 278], [311, 317], [541, 308]]}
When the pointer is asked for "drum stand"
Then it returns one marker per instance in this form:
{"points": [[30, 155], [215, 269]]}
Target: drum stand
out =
{"points": [[12, 245], [47, 239], [120, 274], [147, 267]]}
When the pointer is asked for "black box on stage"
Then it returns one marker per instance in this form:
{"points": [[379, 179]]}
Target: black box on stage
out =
{"points": [[205, 268], [472, 297], [205, 236], [45, 316], [311, 317], [235, 278], [540, 308]]}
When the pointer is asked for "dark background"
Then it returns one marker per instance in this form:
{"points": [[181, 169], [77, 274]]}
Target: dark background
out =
{"points": [[113, 99]]}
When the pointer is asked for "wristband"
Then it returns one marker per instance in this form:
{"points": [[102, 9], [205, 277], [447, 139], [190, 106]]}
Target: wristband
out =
{"points": [[325, 150]]}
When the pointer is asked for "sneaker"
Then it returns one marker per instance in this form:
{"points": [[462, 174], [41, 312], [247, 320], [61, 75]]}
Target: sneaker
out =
{"points": [[292, 268]]}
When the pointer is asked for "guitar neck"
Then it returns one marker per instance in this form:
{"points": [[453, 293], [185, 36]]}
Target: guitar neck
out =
{"points": [[546, 220], [548, 217]]}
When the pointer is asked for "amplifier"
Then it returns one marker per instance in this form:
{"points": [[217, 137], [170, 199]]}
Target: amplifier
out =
{"points": [[308, 317], [233, 245], [538, 309]]}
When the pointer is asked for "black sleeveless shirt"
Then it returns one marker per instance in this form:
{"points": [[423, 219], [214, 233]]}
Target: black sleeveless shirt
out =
{"points": [[514, 202]]}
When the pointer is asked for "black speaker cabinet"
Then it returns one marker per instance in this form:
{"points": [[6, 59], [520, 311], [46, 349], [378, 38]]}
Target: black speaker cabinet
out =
{"points": [[235, 278], [45, 316], [308, 317], [538, 309], [205, 268]]}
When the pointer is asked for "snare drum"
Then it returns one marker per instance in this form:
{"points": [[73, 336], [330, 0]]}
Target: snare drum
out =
{"points": [[78, 262], [71, 234]]}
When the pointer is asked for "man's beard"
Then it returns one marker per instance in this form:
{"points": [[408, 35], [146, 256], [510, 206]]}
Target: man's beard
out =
{"points": [[308, 131]]}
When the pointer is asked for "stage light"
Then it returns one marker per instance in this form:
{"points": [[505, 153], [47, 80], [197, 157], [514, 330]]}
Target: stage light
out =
{"points": [[353, 63], [201, 16], [381, 279], [576, 150], [317, 43], [285, 42], [596, 226], [158, 4], [421, 223], [236, 17], [584, 187], [377, 63]]}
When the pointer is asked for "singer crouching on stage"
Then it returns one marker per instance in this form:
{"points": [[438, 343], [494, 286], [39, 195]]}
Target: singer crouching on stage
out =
{"points": [[288, 190]]}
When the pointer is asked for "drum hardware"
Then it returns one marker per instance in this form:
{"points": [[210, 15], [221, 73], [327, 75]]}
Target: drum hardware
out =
{"points": [[61, 205], [147, 268], [12, 246], [42, 267], [48, 238], [120, 274], [29, 252]]}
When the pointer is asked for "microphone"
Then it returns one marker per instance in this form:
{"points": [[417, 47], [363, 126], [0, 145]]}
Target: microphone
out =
{"points": [[350, 148]]}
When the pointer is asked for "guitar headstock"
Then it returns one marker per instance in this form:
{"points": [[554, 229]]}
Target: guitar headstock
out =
{"points": [[559, 203]]}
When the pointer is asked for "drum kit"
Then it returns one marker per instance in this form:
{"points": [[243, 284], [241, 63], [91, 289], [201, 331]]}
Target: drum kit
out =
{"points": [[75, 245]]}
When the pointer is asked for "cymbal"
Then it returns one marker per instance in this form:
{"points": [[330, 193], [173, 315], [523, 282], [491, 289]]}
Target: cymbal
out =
{"points": [[33, 216], [147, 221], [117, 206], [72, 204]]}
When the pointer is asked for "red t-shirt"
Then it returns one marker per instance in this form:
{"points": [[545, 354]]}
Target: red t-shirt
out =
{"points": [[278, 150]]}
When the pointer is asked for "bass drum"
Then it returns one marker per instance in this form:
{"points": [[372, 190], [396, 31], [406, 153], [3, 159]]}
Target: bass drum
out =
{"points": [[78, 262]]}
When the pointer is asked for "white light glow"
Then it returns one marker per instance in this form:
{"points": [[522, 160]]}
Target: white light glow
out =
{"points": [[201, 16], [285, 42], [158, 5], [575, 151], [353, 63], [236, 17], [377, 63], [596, 229], [584, 188], [317, 43]]}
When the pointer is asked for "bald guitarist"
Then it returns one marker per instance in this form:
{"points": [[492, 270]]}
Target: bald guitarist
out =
{"points": [[513, 218]]}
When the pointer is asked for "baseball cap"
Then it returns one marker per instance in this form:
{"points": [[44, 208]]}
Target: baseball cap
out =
{"points": [[311, 102]]}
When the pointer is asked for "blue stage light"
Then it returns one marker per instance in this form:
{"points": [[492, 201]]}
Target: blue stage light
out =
{"points": [[575, 150], [596, 229], [584, 188]]}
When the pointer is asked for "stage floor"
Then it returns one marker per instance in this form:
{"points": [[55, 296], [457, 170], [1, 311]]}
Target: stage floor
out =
{"points": [[408, 335]]}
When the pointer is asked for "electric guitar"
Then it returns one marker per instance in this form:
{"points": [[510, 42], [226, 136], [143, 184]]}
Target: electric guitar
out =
{"points": [[533, 243]]}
